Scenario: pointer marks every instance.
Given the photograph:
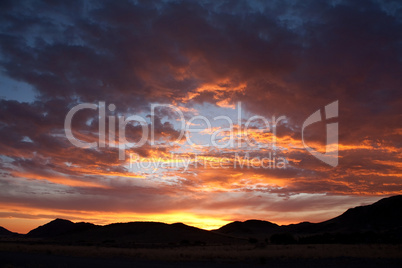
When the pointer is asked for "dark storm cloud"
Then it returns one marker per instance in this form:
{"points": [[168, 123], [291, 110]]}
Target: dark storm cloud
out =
{"points": [[288, 54]]}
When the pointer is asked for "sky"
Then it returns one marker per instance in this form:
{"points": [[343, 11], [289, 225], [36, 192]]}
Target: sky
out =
{"points": [[197, 111]]}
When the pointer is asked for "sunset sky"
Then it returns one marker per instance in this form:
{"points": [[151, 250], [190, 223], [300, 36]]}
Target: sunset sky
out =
{"points": [[238, 59]]}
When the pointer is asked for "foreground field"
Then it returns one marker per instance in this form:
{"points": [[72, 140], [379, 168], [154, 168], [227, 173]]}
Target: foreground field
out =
{"points": [[39, 255]]}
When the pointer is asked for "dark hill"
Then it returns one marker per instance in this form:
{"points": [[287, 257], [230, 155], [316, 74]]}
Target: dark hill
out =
{"points": [[384, 215], [6, 233], [59, 227], [381, 220], [155, 232], [127, 234], [249, 228]]}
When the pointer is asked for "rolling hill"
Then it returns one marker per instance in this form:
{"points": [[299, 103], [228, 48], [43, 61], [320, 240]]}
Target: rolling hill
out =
{"points": [[378, 222], [6, 233], [127, 234], [381, 219], [59, 227]]}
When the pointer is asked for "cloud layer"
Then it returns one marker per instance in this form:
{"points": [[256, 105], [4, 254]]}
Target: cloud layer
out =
{"points": [[277, 58]]}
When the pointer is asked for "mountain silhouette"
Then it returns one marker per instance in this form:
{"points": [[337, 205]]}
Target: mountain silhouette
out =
{"points": [[59, 227], [381, 219], [248, 228], [126, 234], [154, 232], [6, 233], [378, 222], [385, 214]]}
